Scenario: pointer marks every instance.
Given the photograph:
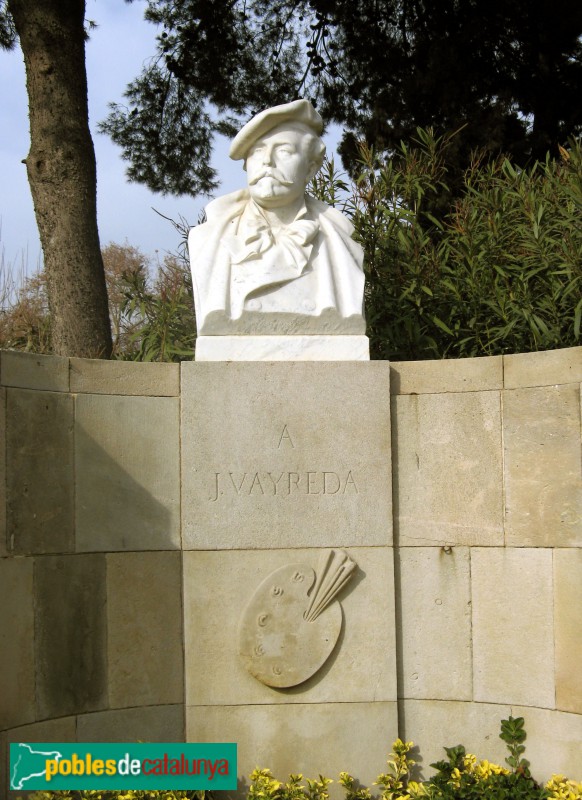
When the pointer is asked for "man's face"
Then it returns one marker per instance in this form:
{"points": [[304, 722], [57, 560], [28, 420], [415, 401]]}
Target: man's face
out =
{"points": [[278, 167]]}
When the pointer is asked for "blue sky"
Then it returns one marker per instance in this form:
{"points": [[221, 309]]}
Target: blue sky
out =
{"points": [[116, 51]]}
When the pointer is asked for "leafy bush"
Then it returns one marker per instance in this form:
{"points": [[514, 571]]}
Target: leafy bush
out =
{"points": [[150, 307], [24, 314], [460, 777], [161, 314], [491, 267]]}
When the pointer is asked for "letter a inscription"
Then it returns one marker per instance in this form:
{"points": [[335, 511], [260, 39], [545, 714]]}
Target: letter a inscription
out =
{"points": [[285, 437]]}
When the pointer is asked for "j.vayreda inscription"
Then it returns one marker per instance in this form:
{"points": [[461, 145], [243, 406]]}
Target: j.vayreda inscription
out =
{"points": [[281, 484]]}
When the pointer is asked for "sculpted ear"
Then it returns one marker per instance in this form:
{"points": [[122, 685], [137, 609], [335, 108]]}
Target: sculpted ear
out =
{"points": [[314, 167]]}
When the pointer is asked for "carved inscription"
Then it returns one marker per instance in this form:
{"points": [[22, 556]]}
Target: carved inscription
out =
{"points": [[285, 437], [281, 483]]}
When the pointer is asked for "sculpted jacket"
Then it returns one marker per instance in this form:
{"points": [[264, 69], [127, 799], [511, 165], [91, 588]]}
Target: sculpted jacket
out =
{"points": [[250, 279]]}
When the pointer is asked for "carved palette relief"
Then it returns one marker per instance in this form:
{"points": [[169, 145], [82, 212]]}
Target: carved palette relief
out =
{"points": [[293, 621]]}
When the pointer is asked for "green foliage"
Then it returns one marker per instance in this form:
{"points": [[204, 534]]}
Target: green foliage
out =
{"points": [[151, 308], [264, 787], [168, 113], [329, 186], [215, 64], [352, 788], [165, 328], [7, 30], [496, 270], [513, 733], [462, 776], [380, 68], [24, 312], [394, 782], [400, 63]]}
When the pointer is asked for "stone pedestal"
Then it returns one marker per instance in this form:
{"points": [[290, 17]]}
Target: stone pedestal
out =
{"points": [[280, 463], [282, 348]]}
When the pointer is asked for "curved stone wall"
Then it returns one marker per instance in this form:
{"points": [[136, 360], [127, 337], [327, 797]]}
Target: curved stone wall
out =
{"points": [[487, 497], [90, 561], [487, 486]]}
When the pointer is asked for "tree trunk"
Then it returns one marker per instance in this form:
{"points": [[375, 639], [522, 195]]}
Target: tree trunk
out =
{"points": [[62, 173]]}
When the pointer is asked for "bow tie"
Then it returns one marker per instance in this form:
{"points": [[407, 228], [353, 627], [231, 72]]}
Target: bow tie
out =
{"points": [[294, 240]]}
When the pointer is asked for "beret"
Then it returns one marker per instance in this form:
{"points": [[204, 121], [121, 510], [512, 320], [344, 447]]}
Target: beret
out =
{"points": [[298, 111]]}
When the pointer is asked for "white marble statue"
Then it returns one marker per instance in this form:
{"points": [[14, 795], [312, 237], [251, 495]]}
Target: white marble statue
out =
{"points": [[270, 259]]}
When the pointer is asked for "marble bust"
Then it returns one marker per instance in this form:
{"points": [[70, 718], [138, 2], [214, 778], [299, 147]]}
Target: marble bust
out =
{"points": [[270, 259]]}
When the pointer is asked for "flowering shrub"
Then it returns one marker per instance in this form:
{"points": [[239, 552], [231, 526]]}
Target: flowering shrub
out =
{"points": [[462, 776]]}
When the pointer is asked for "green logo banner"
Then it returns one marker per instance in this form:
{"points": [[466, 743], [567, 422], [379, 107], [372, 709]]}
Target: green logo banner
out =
{"points": [[51, 766]]}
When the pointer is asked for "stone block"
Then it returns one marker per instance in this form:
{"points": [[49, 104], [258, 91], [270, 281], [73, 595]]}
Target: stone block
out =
{"points": [[434, 619], [543, 369], [96, 376], [447, 375], [39, 457], [568, 624], [17, 701], [70, 634], [32, 371], [313, 739], [543, 467], [283, 348], [127, 452], [144, 629], [217, 588], [293, 454], [513, 629], [434, 724], [553, 744], [3, 539], [447, 469], [148, 724], [52, 730]]}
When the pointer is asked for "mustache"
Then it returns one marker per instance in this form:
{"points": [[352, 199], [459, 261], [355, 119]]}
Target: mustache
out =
{"points": [[269, 173]]}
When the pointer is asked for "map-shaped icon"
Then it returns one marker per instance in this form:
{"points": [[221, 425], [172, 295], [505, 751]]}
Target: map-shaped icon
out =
{"points": [[29, 763]]}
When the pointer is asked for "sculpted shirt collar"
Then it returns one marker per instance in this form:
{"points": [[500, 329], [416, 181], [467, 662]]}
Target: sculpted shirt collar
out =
{"points": [[256, 237]]}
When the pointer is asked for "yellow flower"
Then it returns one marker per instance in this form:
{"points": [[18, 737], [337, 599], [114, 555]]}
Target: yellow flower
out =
{"points": [[563, 789], [456, 777], [416, 790], [484, 769], [469, 761]]}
